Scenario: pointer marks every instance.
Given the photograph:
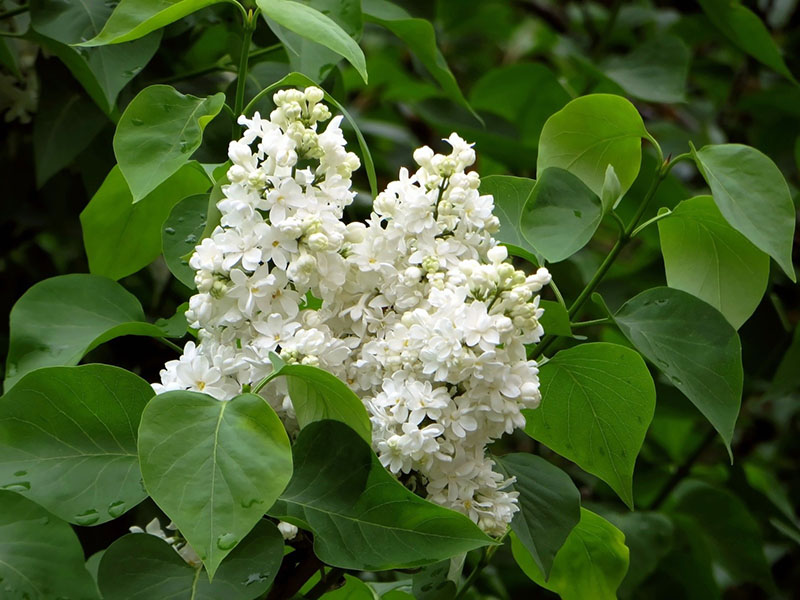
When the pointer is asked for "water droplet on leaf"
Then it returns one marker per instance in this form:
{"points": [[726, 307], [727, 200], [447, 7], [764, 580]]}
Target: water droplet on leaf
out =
{"points": [[115, 509], [255, 578], [169, 231], [20, 474], [226, 541], [18, 486], [88, 517]]}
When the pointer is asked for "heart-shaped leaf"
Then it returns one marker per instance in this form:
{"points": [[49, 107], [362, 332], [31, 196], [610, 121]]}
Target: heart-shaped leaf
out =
{"points": [[214, 467], [694, 346], [58, 320], [158, 133], [597, 402], [590, 133], [753, 196], [68, 441], [705, 256]]}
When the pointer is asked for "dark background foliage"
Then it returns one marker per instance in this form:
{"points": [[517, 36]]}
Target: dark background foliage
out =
{"points": [[517, 62]]}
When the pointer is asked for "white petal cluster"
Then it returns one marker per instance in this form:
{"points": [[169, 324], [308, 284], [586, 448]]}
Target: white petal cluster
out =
{"points": [[422, 313], [178, 544]]}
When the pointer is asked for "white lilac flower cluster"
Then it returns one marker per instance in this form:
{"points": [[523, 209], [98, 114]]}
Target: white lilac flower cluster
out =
{"points": [[422, 314]]}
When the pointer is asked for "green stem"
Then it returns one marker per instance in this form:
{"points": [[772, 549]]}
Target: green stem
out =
{"points": [[649, 222], [557, 293], [14, 11], [267, 50], [598, 276], [244, 60], [260, 385], [580, 324]]}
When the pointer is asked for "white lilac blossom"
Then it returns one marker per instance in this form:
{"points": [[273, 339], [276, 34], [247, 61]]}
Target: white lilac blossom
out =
{"points": [[422, 313]]}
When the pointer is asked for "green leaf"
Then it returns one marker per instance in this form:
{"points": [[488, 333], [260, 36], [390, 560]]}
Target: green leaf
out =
{"points": [[309, 57], [361, 516], [137, 564], [353, 589], [158, 132], [133, 19], [648, 535], [176, 325], [555, 319], [431, 583], [317, 395], [753, 196], [611, 193], [68, 441], [524, 94], [420, 37], [103, 72], [181, 232], [64, 126], [58, 320], [598, 401], [121, 237], [216, 473], [40, 556], [549, 506], [746, 31], [591, 563], [694, 346], [705, 256], [655, 71], [314, 25], [298, 79], [727, 526], [590, 133], [510, 194], [561, 215]]}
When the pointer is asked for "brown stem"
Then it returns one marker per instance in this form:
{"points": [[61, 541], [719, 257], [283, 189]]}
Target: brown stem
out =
{"points": [[331, 581], [297, 568]]}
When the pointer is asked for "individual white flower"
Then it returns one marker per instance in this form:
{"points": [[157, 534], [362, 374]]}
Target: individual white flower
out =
{"points": [[288, 531]]}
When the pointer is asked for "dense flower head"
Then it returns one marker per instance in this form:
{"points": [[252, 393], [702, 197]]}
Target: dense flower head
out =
{"points": [[422, 313]]}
